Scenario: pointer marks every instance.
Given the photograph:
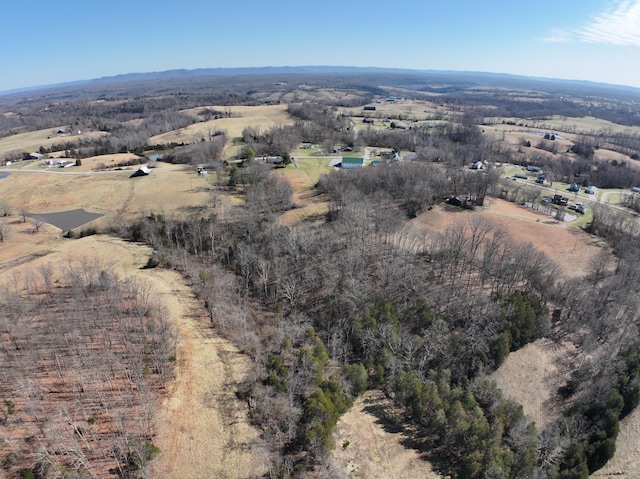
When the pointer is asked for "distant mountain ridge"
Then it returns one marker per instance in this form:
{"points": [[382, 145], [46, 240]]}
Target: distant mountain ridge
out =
{"points": [[481, 78]]}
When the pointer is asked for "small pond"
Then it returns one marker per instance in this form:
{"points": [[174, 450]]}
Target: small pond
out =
{"points": [[68, 220], [4, 174]]}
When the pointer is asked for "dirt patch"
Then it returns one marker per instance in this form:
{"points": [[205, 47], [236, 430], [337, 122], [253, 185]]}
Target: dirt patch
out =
{"points": [[366, 449]]}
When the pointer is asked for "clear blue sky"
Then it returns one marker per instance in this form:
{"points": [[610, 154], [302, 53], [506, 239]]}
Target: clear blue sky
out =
{"points": [[47, 41]]}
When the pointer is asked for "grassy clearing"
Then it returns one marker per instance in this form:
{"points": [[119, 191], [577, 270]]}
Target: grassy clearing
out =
{"points": [[530, 376], [369, 446], [302, 180]]}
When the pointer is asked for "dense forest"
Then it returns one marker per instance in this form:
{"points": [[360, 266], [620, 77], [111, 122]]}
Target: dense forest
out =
{"points": [[357, 298]]}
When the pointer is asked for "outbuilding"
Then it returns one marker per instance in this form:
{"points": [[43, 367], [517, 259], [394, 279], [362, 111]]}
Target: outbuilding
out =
{"points": [[142, 171], [349, 163]]}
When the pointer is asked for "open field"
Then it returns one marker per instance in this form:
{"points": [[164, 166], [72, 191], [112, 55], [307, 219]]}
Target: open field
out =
{"points": [[515, 136], [202, 428], [586, 124], [33, 140], [260, 117], [625, 463], [570, 248], [168, 190], [87, 164], [531, 376]]}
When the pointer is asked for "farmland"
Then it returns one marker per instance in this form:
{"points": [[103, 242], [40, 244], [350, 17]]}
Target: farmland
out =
{"points": [[305, 308]]}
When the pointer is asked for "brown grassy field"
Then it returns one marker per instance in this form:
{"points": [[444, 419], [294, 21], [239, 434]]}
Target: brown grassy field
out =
{"points": [[31, 141], [261, 117], [168, 189], [570, 248], [302, 179], [531, 377], [625, 463], [202, 428], [587, 124]]}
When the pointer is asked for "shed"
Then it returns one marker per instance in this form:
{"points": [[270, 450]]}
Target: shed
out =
{"points": [[590, 190], [142, 171]]}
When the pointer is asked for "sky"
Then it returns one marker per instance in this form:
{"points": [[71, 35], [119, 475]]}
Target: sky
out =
{"points": [[45, 42]]}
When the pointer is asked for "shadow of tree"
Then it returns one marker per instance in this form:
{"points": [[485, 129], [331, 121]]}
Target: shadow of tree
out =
{"points": [[393, 421]]}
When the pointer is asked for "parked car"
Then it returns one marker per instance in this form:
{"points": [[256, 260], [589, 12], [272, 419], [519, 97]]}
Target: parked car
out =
{"points": [[580, 209]]}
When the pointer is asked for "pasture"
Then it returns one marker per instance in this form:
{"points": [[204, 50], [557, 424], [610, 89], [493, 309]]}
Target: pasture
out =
{"points": [[168, 190], [259, 117], [33, 140]]}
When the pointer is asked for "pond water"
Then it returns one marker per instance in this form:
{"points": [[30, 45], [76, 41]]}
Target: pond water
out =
{"points": [[4, 174], [67, 220]]}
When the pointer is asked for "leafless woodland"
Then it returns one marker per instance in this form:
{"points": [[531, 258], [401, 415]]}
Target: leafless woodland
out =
{"points": [[85, 357]]}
